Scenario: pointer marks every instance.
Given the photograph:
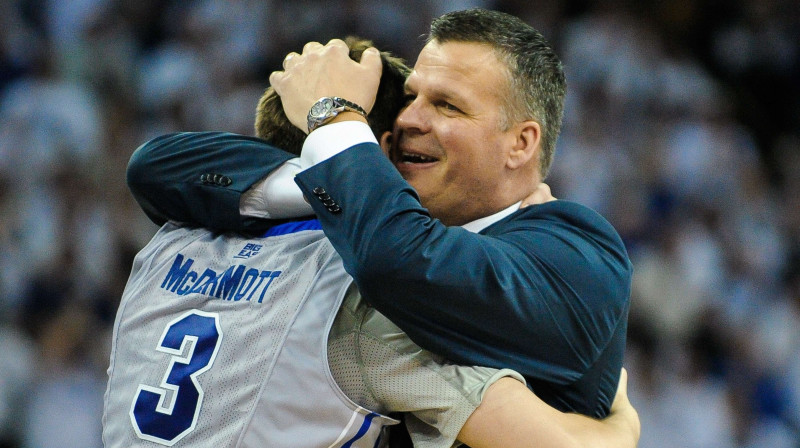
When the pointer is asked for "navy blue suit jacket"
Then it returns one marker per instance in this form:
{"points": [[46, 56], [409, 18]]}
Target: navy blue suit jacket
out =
{"points": [[544, 291]]}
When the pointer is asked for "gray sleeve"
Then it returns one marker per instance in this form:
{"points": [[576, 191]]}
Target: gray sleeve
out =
{"points": [[387, 372]]}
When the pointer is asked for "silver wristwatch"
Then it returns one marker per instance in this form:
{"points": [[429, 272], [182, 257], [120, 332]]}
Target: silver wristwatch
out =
{"points": [[328, 107]]}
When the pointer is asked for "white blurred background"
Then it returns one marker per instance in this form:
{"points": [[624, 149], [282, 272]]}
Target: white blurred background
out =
{"points": [[682, 127]]}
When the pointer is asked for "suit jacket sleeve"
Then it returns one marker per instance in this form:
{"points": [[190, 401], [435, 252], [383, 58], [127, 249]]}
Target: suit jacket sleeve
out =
{"points": [[545, 291], [198, 178]]}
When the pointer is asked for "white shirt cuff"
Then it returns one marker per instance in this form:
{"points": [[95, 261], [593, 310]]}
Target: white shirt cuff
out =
{"points": [[331, 139], [276, 196]]}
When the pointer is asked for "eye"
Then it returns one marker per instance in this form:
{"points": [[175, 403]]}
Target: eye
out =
{"points": [[447, 106]]}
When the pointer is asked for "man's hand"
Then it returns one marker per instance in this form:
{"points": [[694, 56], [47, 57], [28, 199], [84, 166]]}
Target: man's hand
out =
{"points": [[511, 416], [540, 195], [623, 411], [326, 70]]}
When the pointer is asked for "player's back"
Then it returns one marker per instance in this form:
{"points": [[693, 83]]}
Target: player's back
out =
{"points": [[216, 344]]}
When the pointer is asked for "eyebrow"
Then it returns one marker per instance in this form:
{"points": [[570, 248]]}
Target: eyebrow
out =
{"points": [[442, 92]]}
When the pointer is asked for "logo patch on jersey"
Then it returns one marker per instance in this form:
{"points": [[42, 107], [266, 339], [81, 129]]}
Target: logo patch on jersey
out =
{"points": [[249, 250]]}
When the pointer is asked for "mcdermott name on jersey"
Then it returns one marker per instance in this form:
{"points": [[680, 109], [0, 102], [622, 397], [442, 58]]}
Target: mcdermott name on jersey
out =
{"points": [[235, 283]]}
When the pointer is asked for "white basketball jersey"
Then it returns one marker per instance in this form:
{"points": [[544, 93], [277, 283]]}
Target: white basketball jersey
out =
{"points": [[220, 341]]}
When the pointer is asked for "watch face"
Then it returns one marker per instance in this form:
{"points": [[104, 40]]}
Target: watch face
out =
{"points": [[322, 107]]}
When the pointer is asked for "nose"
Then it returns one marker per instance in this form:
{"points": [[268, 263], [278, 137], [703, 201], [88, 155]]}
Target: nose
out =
{"points": [[414, 117]]}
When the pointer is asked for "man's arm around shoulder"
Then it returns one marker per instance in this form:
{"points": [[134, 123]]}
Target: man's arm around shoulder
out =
{"points": [[511, 416], [199, 177]]}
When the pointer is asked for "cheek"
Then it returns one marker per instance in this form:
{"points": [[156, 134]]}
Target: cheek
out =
{"points": [[472, 152], [474, 156]]}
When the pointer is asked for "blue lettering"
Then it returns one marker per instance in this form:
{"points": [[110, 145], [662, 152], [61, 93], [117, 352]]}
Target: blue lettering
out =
{"points": [[212, 284], [237, 282], [183, 290], [201, 285], [261, 277], [244, 287], [229, 282], [272, 276], [176, 274]]}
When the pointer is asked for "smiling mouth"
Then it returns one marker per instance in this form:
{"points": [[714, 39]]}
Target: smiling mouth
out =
{"points": [[407, 157]]}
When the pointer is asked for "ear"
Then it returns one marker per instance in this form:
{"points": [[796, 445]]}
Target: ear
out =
{"points": [[386, 142], [526, 146]]}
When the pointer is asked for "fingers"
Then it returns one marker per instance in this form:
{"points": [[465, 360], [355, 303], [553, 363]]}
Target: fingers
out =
{"points": [[289, 59], [540, 195], [622, 389], [276, 80], [293, 58], [371, 58], [311, 46], [621, 396], [337, 43], [326, 70], [623, 407]]}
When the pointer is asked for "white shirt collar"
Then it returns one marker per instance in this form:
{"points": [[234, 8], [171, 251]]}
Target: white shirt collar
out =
{"points": [[482, 223]]}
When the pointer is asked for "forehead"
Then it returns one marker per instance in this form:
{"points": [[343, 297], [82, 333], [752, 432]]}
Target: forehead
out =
{"points": [[458, 68]]}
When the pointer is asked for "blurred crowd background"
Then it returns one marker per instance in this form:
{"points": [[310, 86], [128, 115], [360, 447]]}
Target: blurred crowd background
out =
{"points": [[682, 127]]}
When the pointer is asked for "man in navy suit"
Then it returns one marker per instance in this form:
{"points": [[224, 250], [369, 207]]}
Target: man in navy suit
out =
{"points": [[434, 236]]}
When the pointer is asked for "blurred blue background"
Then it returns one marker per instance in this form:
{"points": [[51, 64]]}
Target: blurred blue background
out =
{"points": [[682, 127]]}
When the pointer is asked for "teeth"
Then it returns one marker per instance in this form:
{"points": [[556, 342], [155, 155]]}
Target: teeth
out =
{"points": [[416, 158]]}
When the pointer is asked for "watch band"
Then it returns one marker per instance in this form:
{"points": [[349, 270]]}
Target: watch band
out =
{"points": [[326, 108], [349, 105]]}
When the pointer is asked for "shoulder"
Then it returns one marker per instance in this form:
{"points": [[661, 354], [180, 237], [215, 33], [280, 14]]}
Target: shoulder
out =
{"points": [[561, 218], [184, 144], [569, 232], [564, 213]]}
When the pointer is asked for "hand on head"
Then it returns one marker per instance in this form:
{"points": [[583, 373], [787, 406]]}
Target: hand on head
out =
{"points": [[326, 70]]}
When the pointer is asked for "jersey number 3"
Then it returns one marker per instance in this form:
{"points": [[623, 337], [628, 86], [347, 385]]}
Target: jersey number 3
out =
{"points": [[168, 413]]}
